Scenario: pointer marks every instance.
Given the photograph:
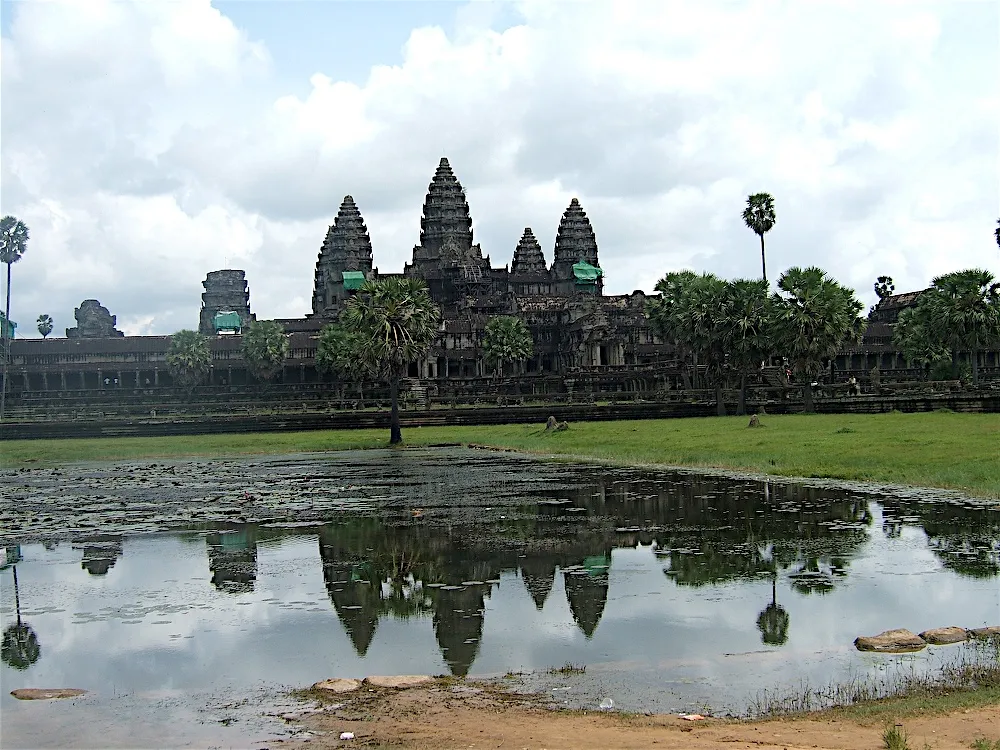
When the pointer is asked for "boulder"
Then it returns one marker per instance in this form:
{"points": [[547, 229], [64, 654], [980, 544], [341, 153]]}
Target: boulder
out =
{"points": [[44, 694], [399, 682], [942, 636], [899, 641], [338, 685], [992, 631]]}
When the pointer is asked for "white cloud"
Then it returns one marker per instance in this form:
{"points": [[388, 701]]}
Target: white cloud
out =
{"points": [[146, 144]]}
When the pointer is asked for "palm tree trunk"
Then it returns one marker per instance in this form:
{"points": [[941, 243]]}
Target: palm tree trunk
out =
{"points": [[741, 408], [974, 356], [763, 263], [395, 434], [5, 348], [807, 395], [954, 364], [720, 401]]}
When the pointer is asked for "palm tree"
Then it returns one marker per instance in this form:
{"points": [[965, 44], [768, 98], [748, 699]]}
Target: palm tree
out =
{"points": [[19, 648], [962, 313], [759, 216], [397, 321], [700, 321], [339, 352], [13, 244], [749, 316], [265, 348], [506, 339], [913, 335], [813, 320], [660, 312], [188, 358], [44, 325], [998, 233], [884, 287]]}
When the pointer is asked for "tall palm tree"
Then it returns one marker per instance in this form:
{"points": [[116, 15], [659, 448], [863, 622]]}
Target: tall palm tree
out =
{"points": [[397, 321], [759, 216], [13, 244], [997, 232], [661, 313], [506, 339], [188, 358], [814, 318], [265, 347]]}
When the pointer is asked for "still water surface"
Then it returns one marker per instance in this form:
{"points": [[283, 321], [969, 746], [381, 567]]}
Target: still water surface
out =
{"points": [[677, 592]]}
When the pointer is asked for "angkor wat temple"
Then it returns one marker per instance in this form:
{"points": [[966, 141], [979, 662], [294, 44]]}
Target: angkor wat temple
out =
{"points": [[576, 328], [586, 343]]}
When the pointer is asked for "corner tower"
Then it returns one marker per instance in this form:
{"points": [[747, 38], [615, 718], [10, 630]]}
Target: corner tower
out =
{"points": [[345, 260], [575, 265]]}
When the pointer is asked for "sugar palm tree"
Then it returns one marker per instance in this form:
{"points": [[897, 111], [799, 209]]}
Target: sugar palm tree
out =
{"points": [[759, 216], [506, 339], [661, 314], [397, 321], [749, 314], [339, 351], [265, 347], [188, 358], [962, 310], [997, 233], [814, 318], [13, 244], [44, 325]]}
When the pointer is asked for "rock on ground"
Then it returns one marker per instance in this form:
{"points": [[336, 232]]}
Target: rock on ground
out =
{"points": [[44, 694], [338, 685], [899, 641], [399, 682], [942, 636], [992, 631]]}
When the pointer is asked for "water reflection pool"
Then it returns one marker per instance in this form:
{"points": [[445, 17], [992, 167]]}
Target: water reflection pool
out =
{"points": [[676, 592]]}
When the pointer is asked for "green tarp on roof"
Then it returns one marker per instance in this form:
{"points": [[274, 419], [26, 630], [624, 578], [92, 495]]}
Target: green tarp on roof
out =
{"points": [[353, 279], [586, 273], [227, 321]]}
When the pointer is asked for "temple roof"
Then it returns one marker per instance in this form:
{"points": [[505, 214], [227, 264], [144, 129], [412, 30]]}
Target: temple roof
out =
{"points": [[528, 257], [446, 212], [575, 239], [348, 237]]}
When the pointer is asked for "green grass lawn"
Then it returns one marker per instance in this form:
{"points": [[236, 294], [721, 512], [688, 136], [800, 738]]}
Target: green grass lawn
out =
{"points": [[938, 449]]}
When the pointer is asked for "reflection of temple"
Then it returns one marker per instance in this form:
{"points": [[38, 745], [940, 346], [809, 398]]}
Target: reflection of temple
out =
{"points": [[232, 559], [100, 554]]}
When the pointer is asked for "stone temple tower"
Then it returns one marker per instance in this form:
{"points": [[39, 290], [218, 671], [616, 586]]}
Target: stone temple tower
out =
{"points": [[528, 257], [345, 260], [226, 291], [446, 258], [576, 253]]}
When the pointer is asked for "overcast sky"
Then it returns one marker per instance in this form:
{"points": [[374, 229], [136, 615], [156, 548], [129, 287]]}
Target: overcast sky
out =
{"points": [[146, 144]]}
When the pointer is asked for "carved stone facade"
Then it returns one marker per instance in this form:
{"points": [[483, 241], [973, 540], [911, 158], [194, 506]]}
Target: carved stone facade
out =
{"points": [[573, 325], [93, 321], [226, 291]]}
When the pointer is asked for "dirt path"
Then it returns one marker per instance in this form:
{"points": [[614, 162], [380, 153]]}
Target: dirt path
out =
{"points": [[445, 716]]}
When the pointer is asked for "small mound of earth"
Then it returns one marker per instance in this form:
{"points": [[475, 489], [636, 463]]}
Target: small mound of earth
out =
{"points": [[899, 641], [991, 631], [944, 636], [45, 694]]}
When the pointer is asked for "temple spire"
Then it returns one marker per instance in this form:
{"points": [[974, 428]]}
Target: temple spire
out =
{"points": [[575, 238], [347, 247], [528, 257], [446, 217]]}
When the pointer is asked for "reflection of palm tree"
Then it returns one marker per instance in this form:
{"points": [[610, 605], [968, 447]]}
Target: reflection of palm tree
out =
{"points": [[20, 647], [773, 621]]}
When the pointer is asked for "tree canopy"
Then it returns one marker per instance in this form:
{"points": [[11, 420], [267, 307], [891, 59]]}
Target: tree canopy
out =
{"points": [[339, 351], [814, 317], [265, 348], [188, 358], [44, 325], [507, 339]]}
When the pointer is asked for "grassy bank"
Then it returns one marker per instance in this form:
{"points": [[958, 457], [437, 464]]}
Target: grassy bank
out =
{"points": [[938, 449]]}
